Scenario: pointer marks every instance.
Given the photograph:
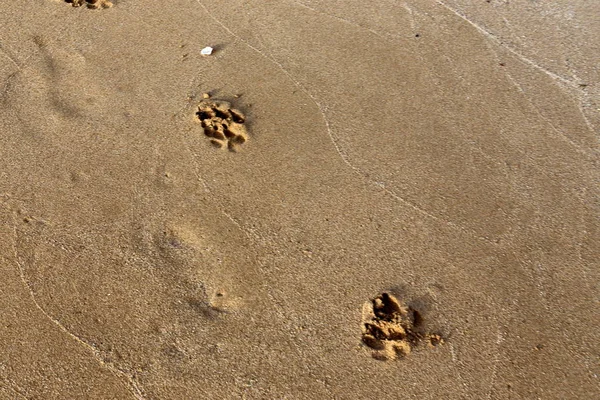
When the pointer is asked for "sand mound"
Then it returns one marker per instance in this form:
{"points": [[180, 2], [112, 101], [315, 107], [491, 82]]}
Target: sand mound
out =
{"points": [[222, 123]]}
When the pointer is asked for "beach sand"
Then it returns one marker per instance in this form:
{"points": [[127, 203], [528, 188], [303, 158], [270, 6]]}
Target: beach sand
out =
{"points": [[415, 212]]}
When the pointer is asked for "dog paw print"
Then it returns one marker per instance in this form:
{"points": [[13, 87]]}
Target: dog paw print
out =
{"points": [[392, 329], [94, 4], [223, 124]]}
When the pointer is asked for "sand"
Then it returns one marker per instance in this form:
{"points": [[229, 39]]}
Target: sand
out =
{"points": [[441, 154]]}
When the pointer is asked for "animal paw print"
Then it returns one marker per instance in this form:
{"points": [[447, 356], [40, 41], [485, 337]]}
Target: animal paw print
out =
{"points": [[223, 124], [94, 4], [392, 329]]}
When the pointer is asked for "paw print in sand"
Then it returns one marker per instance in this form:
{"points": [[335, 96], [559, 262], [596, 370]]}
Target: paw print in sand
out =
{"points": [[90, 3], [223, 124], [392, 329]]}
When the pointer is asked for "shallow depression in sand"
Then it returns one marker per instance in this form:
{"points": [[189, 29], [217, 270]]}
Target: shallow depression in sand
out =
{"points": [[393, 329], [94, 4], [223, 124]]}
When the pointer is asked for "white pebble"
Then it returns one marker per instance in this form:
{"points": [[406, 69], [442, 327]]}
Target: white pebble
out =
{"points": [[207, 51]]}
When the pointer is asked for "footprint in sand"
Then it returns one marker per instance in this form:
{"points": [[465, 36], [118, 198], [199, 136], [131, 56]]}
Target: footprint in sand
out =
{"points": [[393, 329], [223, 124], [94, 4]]}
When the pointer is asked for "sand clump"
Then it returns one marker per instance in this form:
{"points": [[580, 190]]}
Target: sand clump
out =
{"points": [[223, 124], [393, 329], [94, 4]]}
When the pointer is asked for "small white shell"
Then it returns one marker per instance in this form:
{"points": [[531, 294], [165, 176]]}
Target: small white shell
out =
{"points": [[207, 51]]}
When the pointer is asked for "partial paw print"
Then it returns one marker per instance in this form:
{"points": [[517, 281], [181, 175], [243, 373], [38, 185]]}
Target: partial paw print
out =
{"points": [[93, 4], [393, 329], [223, 124]]}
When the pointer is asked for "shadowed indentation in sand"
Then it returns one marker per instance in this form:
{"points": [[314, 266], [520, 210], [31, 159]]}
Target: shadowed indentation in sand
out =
{"points": [[94, 4], [392, 329], [223, 124]]}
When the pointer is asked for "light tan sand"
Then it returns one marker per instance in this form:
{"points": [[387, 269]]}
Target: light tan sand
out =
{"points": [[446, 153]]}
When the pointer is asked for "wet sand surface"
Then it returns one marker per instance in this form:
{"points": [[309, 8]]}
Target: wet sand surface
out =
{"points": [[441, 154]]}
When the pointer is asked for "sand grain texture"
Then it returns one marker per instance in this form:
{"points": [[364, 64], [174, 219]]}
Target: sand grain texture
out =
{"points": [[446, 152]]}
